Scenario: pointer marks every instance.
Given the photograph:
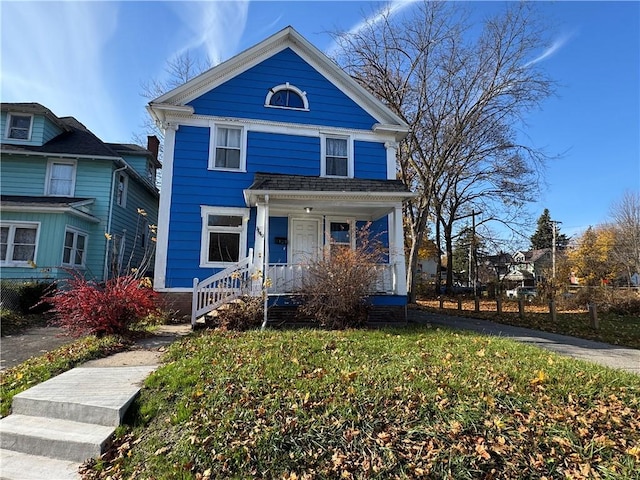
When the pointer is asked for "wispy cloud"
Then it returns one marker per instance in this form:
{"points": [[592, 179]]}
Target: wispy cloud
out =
{"points": [[391, 8], [53, 52], [216, 27], [555, 46]]}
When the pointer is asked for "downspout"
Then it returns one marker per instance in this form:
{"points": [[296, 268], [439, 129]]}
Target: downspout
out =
{"points": [[105, 270], [265, 260]]}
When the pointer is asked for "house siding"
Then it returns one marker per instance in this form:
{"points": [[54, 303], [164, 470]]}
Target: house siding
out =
{"points": [[370, 160], [244, 96], [23, 175]]}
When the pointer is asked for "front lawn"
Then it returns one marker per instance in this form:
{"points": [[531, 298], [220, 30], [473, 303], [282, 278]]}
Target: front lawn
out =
{"points": [[417, 402]]}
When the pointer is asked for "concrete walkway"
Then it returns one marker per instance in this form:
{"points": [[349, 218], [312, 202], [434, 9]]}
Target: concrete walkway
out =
{"points": [[58, 424], [613, 356]]}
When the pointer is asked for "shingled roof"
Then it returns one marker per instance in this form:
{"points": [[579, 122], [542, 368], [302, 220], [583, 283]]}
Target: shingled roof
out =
{"points": [[75, 140], [302, 183]]}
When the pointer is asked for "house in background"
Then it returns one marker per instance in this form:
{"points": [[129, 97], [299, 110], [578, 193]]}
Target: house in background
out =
{"points": [[269, 158], [62, 189], [529, 267]]}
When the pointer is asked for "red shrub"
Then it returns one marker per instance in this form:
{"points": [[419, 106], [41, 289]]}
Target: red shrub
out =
{"points": [[86, 307]]}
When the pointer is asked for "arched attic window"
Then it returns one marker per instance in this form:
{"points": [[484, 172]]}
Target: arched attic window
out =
{"points": [[287, 96]]}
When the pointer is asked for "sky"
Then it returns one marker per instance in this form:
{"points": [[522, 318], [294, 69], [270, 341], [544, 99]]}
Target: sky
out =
{"points": [[90, 59]]}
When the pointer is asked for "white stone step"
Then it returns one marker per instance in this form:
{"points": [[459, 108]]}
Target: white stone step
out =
{"points": [[22, 466], [54, 438]]}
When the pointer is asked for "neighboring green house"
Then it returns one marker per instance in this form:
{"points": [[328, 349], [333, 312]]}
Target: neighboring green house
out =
{"points": [[70, 200]]}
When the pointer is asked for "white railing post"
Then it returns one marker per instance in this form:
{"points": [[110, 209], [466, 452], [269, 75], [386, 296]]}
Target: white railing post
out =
{"points": [[194, 302]]}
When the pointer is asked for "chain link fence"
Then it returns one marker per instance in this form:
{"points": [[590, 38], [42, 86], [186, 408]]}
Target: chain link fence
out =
{"points": [[20, 295]]}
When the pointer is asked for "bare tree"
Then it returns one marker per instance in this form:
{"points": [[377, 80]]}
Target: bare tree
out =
{"points": [[179, 70], [625, 214], [461, 94]]}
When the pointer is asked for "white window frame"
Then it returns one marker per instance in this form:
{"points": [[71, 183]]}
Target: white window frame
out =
{"points": [[76, 233], [8, 127], [121, 201], [11, 244], [287, 86], [352, 231], [56, 161], [213, 143], [323, 155], [205, 211]]}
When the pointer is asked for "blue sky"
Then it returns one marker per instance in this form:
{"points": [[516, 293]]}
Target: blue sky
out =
{"points": [[88, 60]]}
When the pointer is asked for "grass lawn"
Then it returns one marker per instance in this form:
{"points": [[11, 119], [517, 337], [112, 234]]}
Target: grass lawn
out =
{"points": [[416, 402], [623, 330]]}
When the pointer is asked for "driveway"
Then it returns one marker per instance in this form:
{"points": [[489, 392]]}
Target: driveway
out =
{"points": [[15, 349]]}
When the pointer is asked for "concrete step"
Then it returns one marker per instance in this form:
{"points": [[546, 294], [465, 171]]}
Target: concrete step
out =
{"points": [[87, 395], [22, 466], [54, 438]]}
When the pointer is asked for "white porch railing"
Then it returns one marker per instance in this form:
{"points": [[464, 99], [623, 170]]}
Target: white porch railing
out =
{"points": [[287, 278], [221, 288]]}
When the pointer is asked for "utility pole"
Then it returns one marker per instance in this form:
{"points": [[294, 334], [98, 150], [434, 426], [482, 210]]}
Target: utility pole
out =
{"points": [[554, 224]]}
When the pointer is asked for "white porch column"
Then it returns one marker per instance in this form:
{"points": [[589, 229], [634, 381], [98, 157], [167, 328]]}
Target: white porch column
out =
{"points": [[259, 240], [396, 249]]}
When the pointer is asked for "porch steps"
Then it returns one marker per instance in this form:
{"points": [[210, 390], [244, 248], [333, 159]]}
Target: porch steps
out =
{"points": [[62, 422]]}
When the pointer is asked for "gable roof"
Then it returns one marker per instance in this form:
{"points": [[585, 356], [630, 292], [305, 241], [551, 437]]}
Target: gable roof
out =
{"points": [[176, 100]]}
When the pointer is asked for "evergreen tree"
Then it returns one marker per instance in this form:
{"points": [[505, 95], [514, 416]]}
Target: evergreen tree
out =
{"points": [[543, 237]]}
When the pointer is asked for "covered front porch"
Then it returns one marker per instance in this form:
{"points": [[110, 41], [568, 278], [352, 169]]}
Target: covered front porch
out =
{"points": [[301, 218]]}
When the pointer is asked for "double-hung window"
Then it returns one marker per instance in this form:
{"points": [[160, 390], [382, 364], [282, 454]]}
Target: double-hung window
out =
{"points": [[19, 127], [336, 157], [224, 235], [228, 148], [75, 246], [18, 242], [61, 178]]}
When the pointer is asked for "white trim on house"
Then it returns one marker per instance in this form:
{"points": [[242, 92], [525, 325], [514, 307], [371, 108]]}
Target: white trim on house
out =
{"points": [[286, 38], [48, 178], [265, 126], [8, 127], [287, 86], [121, 196], [164, 208], [48, 209]]}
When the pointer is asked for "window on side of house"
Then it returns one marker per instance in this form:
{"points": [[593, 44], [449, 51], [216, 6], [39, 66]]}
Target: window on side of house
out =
{"points": [[61, 178], [121, 190], [18, 243], [75, 245], [19, 127], [224, 236], [228, 151], [336, 158], [287, 96]]}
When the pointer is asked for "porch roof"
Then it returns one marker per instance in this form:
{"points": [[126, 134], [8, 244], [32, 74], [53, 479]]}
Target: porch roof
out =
{"points": [[365, 198]]}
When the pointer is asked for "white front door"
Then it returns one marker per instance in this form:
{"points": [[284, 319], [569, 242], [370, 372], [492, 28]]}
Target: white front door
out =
{"points": [[304, 245]]}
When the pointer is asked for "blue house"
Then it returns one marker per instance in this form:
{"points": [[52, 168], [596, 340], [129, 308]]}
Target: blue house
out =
{"points": [[71, 201], [269, 158]]}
